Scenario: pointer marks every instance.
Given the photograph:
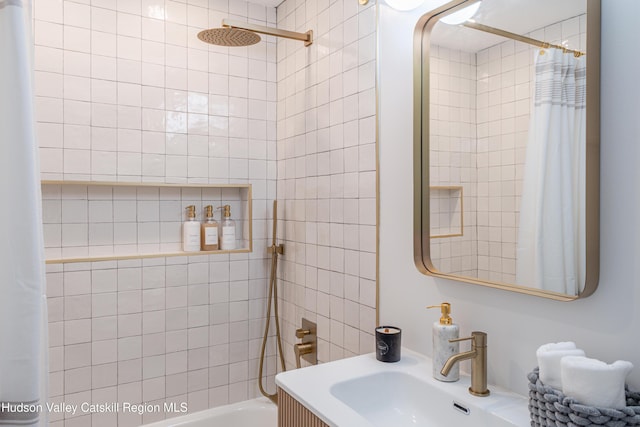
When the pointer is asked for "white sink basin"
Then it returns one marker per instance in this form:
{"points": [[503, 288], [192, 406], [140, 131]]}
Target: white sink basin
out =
{"points": [[362, 392], [398, 399]]}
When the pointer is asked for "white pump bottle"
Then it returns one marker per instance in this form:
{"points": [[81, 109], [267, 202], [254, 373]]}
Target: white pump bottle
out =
{"points": [[227, 230], [443, 331], [191, 231]]}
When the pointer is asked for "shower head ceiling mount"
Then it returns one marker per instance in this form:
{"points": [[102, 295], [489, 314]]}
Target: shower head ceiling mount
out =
{"points": [[235, 33]]}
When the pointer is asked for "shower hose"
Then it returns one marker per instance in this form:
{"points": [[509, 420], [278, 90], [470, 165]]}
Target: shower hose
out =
{"points": [[272, 298]]}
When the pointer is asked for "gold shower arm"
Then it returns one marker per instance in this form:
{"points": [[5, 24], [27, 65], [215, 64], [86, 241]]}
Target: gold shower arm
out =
{"points": [[307, 37], [518, 37]]}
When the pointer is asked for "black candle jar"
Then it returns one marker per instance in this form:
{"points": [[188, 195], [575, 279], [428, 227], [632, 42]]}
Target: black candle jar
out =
{"points": [[388, 343]]}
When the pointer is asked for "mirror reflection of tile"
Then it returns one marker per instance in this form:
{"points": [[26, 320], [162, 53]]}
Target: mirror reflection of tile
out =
{"points": [[480, 107]]}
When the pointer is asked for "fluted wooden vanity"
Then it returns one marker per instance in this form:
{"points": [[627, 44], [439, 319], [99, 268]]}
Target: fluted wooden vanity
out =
{"points": [[292, 413]]}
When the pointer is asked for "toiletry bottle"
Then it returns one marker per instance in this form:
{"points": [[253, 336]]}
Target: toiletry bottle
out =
{"points": [[209, 232], [227, 230], [191, 231], [443, 331]]}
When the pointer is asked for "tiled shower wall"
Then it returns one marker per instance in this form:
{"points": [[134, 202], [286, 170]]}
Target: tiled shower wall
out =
{"points": [[453, 157], [126, 92], [504, 98], [327, 175], [500, 102]]}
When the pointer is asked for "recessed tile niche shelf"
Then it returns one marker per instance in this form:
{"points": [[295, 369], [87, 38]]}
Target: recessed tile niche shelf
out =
{"points": [[447, 211], [101, 221]]}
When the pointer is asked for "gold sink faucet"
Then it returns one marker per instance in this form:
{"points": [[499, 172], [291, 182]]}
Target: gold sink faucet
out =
{"points": [[478, 356]]}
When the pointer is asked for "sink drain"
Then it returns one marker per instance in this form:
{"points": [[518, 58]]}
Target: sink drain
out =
{"points": [[461, 408]]}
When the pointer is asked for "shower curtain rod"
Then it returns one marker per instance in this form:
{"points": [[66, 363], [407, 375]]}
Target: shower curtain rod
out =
{"points": [[518, 37]]}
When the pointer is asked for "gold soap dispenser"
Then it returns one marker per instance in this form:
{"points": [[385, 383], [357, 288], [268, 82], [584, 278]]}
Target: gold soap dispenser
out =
{"points": [[443, 331], [227, 230], [209, 234]]}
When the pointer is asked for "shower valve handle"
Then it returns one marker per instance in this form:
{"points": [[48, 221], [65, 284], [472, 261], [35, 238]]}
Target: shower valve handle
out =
{"points": [[300, 333]]}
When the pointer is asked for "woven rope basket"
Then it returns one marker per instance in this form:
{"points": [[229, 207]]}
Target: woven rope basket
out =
{"points": [[550, 408]]}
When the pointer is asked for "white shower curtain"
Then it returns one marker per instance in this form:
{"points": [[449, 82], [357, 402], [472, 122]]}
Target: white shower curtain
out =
{"points": [[23, 321], [551, 238]]}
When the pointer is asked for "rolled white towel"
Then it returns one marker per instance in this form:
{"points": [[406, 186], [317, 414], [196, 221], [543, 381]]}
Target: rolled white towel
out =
{"points": [[549, 356], [594, 383]]}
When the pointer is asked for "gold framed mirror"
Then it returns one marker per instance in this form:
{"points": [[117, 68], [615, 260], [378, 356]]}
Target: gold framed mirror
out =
{"points": [[507, 125]]}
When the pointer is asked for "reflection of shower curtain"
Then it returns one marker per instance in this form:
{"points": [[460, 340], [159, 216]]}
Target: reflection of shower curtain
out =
{"points": [[551, 238], [23, 322]]}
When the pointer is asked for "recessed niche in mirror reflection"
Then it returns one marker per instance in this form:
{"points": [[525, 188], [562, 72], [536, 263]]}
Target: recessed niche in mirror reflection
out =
{"points": [[507, 127]]}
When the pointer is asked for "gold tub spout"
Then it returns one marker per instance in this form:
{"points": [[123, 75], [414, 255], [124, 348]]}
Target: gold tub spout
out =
{"points": [[478, 356]]}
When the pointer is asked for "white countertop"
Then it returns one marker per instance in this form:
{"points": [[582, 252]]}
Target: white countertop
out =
{"points": [[311, 386]]}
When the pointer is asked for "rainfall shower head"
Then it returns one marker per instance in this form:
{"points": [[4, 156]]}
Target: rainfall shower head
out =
{"points": [[227, 36], [234, 33]]}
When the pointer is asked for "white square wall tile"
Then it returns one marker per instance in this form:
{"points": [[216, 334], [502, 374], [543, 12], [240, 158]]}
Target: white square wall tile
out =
{"points": [[49, 34], [77, 39], [77, 112], [77, 331], [103, 20], [129, 302], [50, 11], [104, 352], [129, 163], [103, 44], [129, 25]]}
